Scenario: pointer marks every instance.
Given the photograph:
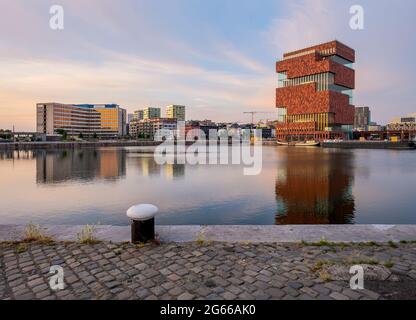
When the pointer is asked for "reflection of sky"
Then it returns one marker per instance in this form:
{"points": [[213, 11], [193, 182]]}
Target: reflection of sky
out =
{"points": [[383, 185]]}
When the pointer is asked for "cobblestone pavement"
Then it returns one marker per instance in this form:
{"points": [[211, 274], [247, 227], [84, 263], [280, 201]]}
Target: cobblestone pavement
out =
{"points": [[204, 271]]}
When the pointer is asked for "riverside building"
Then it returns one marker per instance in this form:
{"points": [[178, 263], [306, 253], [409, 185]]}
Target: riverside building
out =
{"points": [[102, 120], [314, 93]]}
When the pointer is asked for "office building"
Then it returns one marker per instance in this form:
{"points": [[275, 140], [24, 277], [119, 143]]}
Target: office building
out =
{"points": [[314, 94], [103, 120]]}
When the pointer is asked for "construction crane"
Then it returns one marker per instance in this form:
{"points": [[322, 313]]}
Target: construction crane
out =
{"points": [[253, 113]]}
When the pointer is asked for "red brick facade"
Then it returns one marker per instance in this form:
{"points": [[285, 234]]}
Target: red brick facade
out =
{"points": [[306, 100]]}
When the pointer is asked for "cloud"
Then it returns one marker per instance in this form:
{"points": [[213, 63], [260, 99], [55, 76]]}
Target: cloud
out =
{"points": [[130, 80], [239, 59], [306, 23]]}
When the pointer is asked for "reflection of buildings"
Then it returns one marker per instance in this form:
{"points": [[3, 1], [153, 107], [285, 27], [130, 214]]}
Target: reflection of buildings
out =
{"points": [[87, 164], [149, 167], [174, 171], [16, 155], [314, 187]]}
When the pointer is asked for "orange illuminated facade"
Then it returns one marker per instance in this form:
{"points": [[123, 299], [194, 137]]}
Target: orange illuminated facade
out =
{"points": [[314, 94]]}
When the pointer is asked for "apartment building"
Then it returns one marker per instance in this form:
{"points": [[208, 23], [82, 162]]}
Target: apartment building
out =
{"points": [[175, 112], [151, 113], [153, 128]]}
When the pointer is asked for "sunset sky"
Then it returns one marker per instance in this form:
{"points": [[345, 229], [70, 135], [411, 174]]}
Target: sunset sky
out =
{"points": [[216, 57]]}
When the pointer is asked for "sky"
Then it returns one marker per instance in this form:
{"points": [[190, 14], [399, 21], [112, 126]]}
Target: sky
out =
{"points": [[216, 57]]}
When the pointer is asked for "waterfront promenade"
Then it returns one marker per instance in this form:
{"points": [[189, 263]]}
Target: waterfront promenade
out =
{"points": [[195, 267]]}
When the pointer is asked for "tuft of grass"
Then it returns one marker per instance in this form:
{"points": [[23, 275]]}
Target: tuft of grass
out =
{"points": [[34, 233], [320, 264], [370, 262], [200, 240], [86, 236], [372, 244], [389, 264], [325, 276], [408, 241], [321, 243], [369, 244], [392, 244], [21, 247]]}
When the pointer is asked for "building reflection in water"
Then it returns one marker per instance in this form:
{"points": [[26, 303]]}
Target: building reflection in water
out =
{"points": [[314, 186], [16, 155], [55, 166], [148, 168]]}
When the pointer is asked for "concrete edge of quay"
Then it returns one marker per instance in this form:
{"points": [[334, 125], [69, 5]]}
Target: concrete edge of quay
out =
{"points": [[9, 146], [74, 145], [231, 234]]}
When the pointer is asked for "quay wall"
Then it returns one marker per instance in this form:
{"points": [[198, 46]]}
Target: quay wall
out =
{"points": [[98, 144], [74, 145], [370, 145]]}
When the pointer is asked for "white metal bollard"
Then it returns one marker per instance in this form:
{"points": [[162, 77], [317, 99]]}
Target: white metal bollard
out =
{"points": [[143, 222]]}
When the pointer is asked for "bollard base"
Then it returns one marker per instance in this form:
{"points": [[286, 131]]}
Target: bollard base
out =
{"points": [[143, 231]]}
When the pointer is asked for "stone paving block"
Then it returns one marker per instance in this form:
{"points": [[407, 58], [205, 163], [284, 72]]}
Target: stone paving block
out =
{"points": [[186, 296], [338, 296]]}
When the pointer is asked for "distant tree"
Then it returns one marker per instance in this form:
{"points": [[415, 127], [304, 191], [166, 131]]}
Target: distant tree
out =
{"points": [[95, 135], [63, 133], [81, 136]]}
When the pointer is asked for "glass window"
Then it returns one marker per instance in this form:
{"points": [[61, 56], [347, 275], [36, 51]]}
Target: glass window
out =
{"points": [[342, 61], [342, 90], [282, 76]]}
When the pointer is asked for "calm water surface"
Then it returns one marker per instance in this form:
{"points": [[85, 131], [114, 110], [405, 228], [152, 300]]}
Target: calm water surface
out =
{"points": [[296, 186]]}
